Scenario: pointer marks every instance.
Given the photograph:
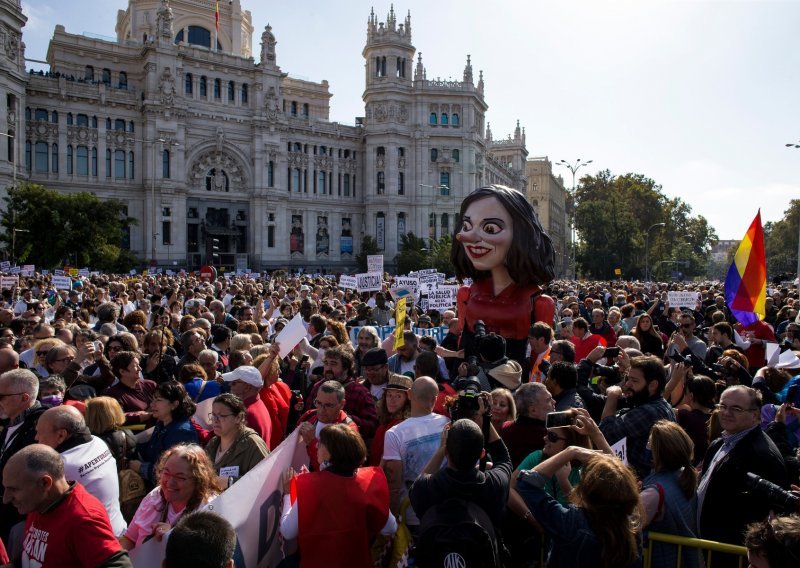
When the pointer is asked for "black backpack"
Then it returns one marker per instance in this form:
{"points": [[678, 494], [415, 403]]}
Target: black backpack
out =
{"points": [[456, 534]]}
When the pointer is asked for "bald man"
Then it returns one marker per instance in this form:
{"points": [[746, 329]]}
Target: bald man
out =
{"points": [[87, 459], [409, 445], [9, 359], [65, 525]]}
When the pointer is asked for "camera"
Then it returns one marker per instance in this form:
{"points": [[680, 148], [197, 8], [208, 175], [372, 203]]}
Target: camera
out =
{"points": [[559, 419], [467, 403], [611, 352], [776, 496]]}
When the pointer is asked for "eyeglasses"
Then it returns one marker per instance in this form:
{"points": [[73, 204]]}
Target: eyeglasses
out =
{"points": [[325, 405], [734, 409], [217, 417], [552, 437], [3, 395], [42, 353], [67, 359]]}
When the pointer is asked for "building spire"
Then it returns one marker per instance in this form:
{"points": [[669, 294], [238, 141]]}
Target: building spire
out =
{"points": [[468, 71]]}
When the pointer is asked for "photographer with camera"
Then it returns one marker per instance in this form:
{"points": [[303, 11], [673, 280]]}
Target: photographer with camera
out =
{"points": [[594, 378]]}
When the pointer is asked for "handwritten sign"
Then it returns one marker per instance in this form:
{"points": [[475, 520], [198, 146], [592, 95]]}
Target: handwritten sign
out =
{"points": [[375, 263], [348, 282], [678, 299], [369, 281]]}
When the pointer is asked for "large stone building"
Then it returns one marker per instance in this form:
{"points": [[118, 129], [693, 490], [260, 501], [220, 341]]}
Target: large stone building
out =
{"points": [[551, 201], [230, 161]]}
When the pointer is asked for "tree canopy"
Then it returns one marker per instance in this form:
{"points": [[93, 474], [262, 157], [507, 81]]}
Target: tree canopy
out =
{"points": [[615, 218], [53, 229], [368, 247], [780, 243]]}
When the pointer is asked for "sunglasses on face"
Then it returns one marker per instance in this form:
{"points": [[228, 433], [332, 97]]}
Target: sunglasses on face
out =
{"points": [[552, 437]]}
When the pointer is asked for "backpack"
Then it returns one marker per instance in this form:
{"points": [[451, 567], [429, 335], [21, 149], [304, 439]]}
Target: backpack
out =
{"points": [[456, 533]]}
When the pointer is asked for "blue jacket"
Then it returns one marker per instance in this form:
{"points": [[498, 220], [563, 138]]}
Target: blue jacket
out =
{"points": [[163, 438]]}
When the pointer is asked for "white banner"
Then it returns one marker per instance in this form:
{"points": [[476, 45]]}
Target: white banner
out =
{"points": [[9, 282], [252, 505], [346, 282], [369, 281], [683, 299], [442, 298], [375, 263], [62, 282]]}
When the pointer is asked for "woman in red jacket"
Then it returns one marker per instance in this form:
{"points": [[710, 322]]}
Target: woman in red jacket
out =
{"points": [[335, 513]]}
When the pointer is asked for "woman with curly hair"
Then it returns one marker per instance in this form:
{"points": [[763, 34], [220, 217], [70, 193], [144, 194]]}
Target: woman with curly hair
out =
{"points": [[186, 483]]}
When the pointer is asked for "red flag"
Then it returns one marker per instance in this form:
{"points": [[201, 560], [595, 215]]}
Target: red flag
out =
{"points": [[216, 17]]}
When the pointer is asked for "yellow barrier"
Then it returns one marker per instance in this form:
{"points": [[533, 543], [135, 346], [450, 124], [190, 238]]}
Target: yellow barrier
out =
{"points": [[704, 546]]}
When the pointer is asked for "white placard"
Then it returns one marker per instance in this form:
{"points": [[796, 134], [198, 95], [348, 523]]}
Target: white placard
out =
{"points": [[292, 333], [683, 299], [442, 298], [347, 282], [620, 450], [14, 270], [369, 281], [28, 269], [62, 282], [375, 263], [8, 282], [427, 282], [5, 265], [409, 282]]}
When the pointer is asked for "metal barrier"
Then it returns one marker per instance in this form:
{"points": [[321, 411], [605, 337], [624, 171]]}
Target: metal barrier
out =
{"points": [[705, 547]]}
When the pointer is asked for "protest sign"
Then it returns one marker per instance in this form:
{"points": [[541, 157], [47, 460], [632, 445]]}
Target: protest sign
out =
{"points": [[291, 335], [620, 450], [682, 299], [8, 282], [62, 282], [5, 265], [400, 318], [410, 282], [347, 282], [375, 263], [202, 411], [428, 282], [442, 298], [252, 505], [14, 270], [28, 269], [369, 281]]}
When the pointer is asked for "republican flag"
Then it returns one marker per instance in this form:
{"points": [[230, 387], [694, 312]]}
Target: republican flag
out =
{"points": [[746, 282], [216, 17]]}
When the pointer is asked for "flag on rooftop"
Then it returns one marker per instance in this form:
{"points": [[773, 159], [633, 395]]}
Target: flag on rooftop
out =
{"points": [[746, 282]]}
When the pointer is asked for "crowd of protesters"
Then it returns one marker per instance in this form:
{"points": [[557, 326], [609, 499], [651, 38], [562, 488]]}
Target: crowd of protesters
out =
{"points": [[99, 386]]}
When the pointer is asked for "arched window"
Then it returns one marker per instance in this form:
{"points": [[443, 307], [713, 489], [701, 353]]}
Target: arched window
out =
{"points": [[305, 110], [197, 36], [41, 158], [454, 119], [54, 117], [188, 84], [217, 89], [119, 125], [381, 187], [231, 92], [298, 147], [203, 87], [434, 154], [380, 151], [293, 108], [444, 119], [54, 158], [41, 114], [94, 122], [433, 119], [122, 82], [245, 90], [107, 77], [70, 119], [165, 173], [130, 126], [119, 164], [88, 74], [456, 155], [108, 124]]}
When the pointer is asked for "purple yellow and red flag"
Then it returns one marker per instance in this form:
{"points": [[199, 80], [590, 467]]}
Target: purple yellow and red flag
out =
{"points": [[746, 282]]}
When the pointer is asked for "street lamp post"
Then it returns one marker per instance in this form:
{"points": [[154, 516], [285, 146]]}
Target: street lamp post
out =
{"points": [[647, 248], [797, 145], [573, 234]]}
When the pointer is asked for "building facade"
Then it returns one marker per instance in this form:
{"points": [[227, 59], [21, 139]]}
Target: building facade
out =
{"points": [[228, 161], [551, 201]]}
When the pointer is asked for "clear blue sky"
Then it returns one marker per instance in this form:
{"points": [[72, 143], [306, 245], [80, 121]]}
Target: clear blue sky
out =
{"points": [[699, 95]]}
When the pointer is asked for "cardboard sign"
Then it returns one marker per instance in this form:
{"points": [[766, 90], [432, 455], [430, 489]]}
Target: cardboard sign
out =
{"points": [[369, 282], [62, 282], [375, 263], [442, 298], [5, 265], [348, 282], [28, 269], [8, 282], [683, 299], [409, 282], [427, 282]]}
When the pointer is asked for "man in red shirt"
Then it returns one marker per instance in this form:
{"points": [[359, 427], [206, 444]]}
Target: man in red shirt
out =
{"points": [[66, 526], [246, 383]]}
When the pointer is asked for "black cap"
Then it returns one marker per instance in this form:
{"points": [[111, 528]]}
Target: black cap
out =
{"points": [[375, 356]]}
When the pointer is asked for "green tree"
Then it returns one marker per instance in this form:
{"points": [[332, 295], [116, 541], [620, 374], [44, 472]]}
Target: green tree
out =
{"points": [[413, 254], [439, 256], [780, 243], [368, 247], [53, 228], [613, 215]]}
